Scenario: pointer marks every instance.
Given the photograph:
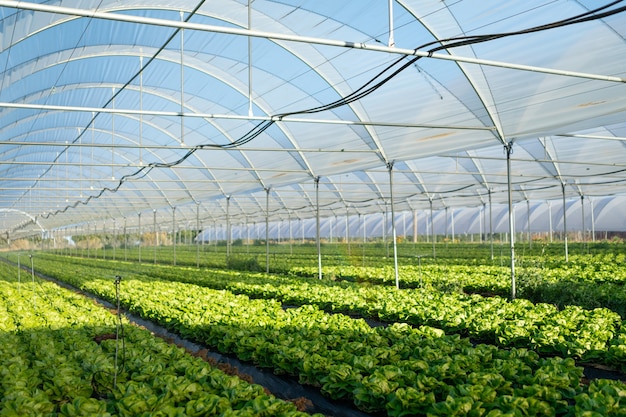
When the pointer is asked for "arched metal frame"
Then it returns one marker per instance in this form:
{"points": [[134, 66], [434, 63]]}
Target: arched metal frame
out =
{"points": [[441, 122]]}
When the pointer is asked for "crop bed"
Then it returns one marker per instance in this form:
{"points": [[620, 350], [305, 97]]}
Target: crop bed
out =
{"points": [[592, 336], [396, 370], [62, 355]]}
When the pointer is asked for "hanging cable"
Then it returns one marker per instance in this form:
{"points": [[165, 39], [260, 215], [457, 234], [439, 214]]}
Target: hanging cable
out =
{"points": [[121, 90], [369, 87]]}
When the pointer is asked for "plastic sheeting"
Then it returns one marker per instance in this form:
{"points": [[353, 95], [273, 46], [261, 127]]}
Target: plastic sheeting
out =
{"points": [[117, 113], [589, 218]]}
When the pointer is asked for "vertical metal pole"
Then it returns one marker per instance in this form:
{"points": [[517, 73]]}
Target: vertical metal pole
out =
{"points": [[385, 215], [267, 230], [393, 226], [348, 229], [528, 224], [317, 227], [490, 225], [113, 136], [290, 233], [247, 235], [582, 208], [483, 224], [174, 232], [564, 222], [446, 234], [104, 237], [228, 230], [125, 241], [392, 42], [509, 150], [452, 223], [198, 231], [250, 59], [156, 235], [403, 225], [550, 219], [432, 227], [32, 273], [182, 82], [414, 226], [203, 242], [140, 109], [593, 222], [114, 237], [139, 231], [364, 239]]}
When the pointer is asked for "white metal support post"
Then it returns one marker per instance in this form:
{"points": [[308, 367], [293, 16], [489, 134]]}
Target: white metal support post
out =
{"points": [[228, 230], [290, 232], [550, 219], [250, 112], [317, 227], [267, 230], [432, 226], [156, 235], [593, 222], [104, 240], [392, 42], [247, 235], [364, 225], [139, 232], [452, 224], [582, 209], [490, 225], [174, 232], [446, 218], [182, 81], [140, 108], [348, 228], [125, 241], [393, 226], [564, 222], [483, 228], [197, 235], [509, 150], [114, 237], [530, 244]]}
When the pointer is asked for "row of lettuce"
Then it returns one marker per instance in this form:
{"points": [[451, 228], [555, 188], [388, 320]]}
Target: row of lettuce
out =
{"points": [[282, 256], [597, 336], [589, 281], [543, 275], [58, 354], [397, 369]]}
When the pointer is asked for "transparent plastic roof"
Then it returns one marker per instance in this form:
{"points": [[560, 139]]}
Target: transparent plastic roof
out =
{"points": [[111, 110]]}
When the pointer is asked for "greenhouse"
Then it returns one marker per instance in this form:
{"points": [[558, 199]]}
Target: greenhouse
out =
{"points": [[392, 169], [259, 110]]}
